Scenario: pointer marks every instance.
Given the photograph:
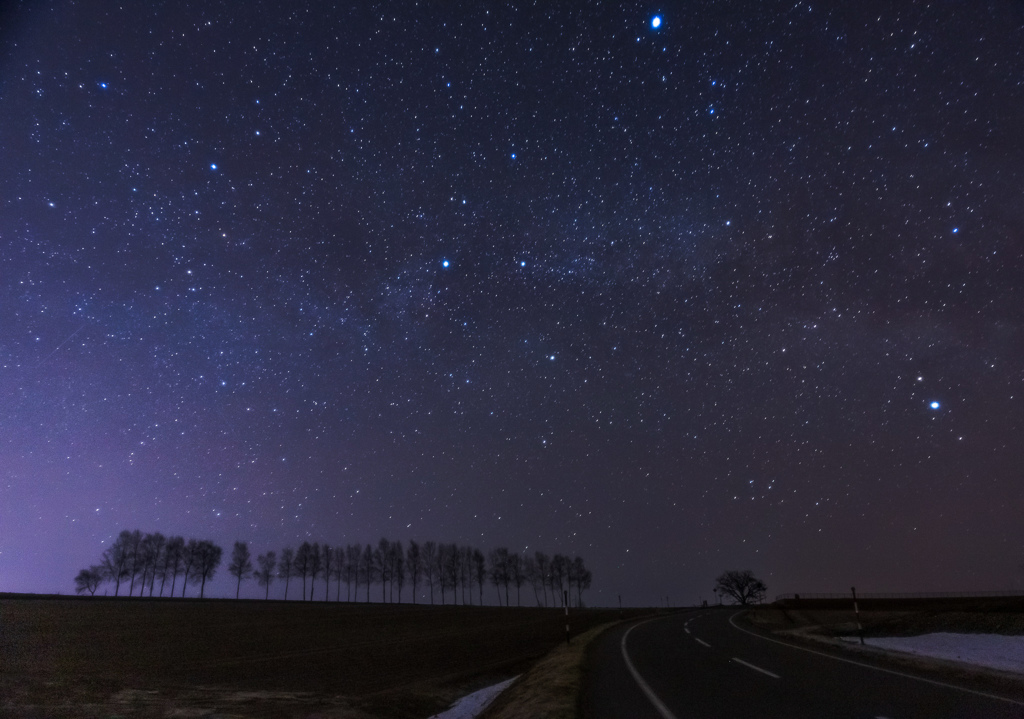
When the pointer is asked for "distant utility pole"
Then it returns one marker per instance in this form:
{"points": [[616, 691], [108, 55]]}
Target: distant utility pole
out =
{"points": [[856, 611]]}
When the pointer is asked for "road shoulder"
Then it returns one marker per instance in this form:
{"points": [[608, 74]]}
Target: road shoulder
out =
{"points": [[551, 687]]}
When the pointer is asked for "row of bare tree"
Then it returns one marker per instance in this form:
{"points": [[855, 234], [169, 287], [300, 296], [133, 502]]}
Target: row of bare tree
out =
{"points": [[433, 569], [140, 558]]}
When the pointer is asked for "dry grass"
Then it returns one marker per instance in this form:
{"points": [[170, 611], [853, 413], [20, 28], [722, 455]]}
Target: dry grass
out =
{"points": [[551, 688], [84, 657]]}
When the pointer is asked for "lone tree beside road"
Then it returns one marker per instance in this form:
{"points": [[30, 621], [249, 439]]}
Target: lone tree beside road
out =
{"points": [[742, 586]]}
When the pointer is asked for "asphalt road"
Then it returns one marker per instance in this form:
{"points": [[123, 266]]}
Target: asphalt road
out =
{"points": [[701, 664]]}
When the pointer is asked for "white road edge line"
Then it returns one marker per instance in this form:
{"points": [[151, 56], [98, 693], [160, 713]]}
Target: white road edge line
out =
{"points": [[755, 668], [869, 666], [658, 704], [701, 641]]}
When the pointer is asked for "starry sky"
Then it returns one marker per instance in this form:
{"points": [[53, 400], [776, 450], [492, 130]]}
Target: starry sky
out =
{"points": [[739, 287]]}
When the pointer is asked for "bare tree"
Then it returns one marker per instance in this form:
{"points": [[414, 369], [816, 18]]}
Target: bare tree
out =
{"points": [[543, 573], [531, 575], [115, 561], [398, 572], [151, 558], [559, 574], [448, 570], [241, 565], [396, 569], [441, 569], [338, 570], [368, 568], [133, 545], [742, 586], [381, 562], [451, 568], [208, 560], [265, 573], [413, 566], [430, 565], [300, 566], [89, 580], [498, 560], [581, 577], [353, 553], [189, 560], [515, 573], [480, 572], [327, 555], [286, 569], [316, 566], [174, 555], [460, 571]]}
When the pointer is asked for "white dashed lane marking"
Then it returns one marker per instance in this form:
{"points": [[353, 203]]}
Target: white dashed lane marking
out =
{"points": [[756, 668]]}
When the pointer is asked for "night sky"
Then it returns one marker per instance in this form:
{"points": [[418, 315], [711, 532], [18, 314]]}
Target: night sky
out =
{"points": [[742, 287]]}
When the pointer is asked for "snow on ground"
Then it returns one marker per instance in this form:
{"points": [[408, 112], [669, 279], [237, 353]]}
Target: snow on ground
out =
{"points": [[472, 704], [995, 651]]}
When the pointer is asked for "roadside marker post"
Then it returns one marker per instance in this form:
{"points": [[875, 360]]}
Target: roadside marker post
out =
{"points": [[856, 611]]}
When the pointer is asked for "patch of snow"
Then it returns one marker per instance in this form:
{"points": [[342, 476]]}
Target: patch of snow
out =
{"points": [[995, 651], [472, 704]]}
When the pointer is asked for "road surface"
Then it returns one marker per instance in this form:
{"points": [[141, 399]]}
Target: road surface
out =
{"points": [[702, 664]]}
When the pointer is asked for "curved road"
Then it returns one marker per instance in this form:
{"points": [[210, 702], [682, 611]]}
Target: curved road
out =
{"points": [[702, 664]]}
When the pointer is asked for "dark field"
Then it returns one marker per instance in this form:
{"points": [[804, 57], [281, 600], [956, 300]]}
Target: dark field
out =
{"points": [[84, 657]]}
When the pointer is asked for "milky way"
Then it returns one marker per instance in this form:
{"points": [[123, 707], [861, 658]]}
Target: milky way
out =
{"points": [[741, 288]]}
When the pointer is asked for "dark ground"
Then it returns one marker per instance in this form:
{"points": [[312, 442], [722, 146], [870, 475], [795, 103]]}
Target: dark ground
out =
{"points": [[99, 657]]}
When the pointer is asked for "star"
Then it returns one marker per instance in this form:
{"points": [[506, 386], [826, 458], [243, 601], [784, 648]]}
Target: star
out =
{"points": [[656, 22]]}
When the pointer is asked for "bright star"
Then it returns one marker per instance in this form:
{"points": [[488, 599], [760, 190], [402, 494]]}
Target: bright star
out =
{"points": [[213, 166], [522, 263], [444, 263], [934, 405], [656, 22]]}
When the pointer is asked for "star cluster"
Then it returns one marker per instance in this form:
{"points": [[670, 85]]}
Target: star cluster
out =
{"points": [[678, 293]]}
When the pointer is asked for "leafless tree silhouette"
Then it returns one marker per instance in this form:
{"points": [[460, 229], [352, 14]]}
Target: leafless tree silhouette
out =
{"points": [[742, 586], [286, 568], [240, 565], [89, 580], [430, 565], [265, 571]]}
